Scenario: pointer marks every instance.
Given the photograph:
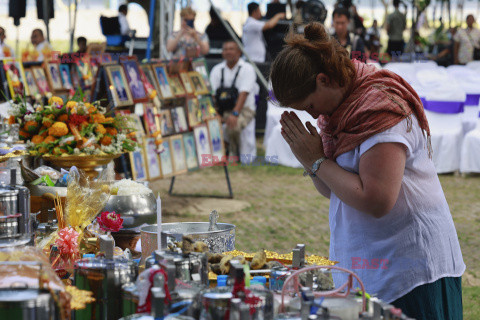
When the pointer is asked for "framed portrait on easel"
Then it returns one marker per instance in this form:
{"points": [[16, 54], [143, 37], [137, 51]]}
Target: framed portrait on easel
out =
{"points": [[134, 80], [118, 86], [53, 75], [215, 133], [163, 81], [202, 142], [178, 154], [152, 159], [138, 165]]}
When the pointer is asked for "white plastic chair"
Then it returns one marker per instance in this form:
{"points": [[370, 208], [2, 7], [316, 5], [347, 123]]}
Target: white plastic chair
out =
{"points": [[470, 155]]}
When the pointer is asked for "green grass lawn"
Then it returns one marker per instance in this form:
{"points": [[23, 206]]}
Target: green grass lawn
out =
{"points": [[285, 209]]}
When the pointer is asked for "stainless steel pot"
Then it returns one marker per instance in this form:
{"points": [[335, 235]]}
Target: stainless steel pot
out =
{"points": [[104, 277], [15, 225], [27, 304], [135, 210]]}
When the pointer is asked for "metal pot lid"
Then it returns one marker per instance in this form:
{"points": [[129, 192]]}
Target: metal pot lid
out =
{"points": [[102, 264], [23, 297], [6, 191]]}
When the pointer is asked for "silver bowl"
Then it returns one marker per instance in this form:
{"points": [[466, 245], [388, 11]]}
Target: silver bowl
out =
{"points": [[135, 210]]}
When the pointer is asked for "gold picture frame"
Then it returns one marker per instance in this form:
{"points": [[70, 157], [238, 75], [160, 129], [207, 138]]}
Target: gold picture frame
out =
{"points": [[178, 154], [119, 87], [138, 165], [199, 86]]}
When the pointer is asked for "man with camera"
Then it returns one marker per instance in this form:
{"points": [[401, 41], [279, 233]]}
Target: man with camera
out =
{"points": [[235, 86]]}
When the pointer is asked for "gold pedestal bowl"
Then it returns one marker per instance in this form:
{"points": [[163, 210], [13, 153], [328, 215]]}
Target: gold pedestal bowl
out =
{"points": [[91, 165]]}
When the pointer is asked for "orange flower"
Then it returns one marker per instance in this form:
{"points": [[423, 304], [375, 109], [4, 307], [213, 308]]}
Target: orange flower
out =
{"points": [[83, 125], [72, 105], [112, 131], [49, 139], [31, 126], [42, 150], [108, 120], [24, 135], [63, 118], [44, 133], [98, 118], [48, 120], [106, 140], [56, 100], [11, 120], [58, 129], [37, 139], [100, 129]]}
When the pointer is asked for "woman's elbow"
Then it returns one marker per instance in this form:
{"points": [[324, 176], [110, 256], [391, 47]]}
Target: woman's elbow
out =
{"points": [[381, 207]]}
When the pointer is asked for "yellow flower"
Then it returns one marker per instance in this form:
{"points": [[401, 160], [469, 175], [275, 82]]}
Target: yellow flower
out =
{"points": [[72, 105], [100, 129], [57, 100], [153, 94], [58, 129]]}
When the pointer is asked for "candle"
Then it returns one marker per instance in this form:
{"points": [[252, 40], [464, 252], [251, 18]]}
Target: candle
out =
{"points": [[159, 222]]}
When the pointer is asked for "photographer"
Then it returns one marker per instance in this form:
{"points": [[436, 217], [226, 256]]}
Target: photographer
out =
{"points": [[234, 84]]}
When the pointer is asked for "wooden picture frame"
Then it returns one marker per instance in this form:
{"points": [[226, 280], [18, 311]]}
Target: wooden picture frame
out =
{"points": [[66, 77], [138, 165], [166, 163], [118, 86], [84, 72], [179, 119], [15, 75], [32, 84], [150, 116], [200, 66], [149, 74], [163, 81], [187, 82], [52, 70], [41, 80], [135, 83], [202, 143], [193, 112], [215, 133], [64, 94], [178, 154], [166, 123], [190, 151], [199, 86], [205, 105], [152, 159], [177, 86]]}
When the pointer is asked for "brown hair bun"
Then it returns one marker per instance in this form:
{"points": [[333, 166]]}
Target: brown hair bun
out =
{"points": [[315, 32]]}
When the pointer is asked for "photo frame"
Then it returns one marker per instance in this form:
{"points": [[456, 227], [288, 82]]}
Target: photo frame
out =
{"points": [[17, 84], [148, 71], [198, 83], [32, 84], [187, 83], [41, 80], [166, 164], [163, 82], [152, 123], [135, 83], [206, 108], [179, 119], [178, 154], [193, 112], [53, 75], [202, 143], [153, 160], [177, 86], [138, 126], [118, 86], [66, 77], [215, 132], [200, 66], [84, 72], [138, 165], [166, 123], [190, 151]]}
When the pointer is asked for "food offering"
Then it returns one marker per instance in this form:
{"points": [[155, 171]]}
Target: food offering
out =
{"points": [[67, 128]]}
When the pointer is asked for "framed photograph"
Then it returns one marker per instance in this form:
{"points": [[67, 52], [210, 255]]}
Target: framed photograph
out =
{"points": [[202, 142], [206, 108], [177, 86], [200, 66], [137, 126], [190, 151], [32, 85], [17, 84], [66, 77], [64, 94], [148, 71], [187, 83], [178, 154], [152, 123], [153, 160], [215, 132], [166, 159], [134, 81], [53, 75], [166, 123], [198, 83], [41, 80], [179, 119], [84, 72], [163, 82], [119, 86], [138, 165], [193, 112]]}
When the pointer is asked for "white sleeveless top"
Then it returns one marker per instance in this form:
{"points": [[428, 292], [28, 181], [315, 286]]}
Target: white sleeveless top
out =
{"points": [[416, 243]]}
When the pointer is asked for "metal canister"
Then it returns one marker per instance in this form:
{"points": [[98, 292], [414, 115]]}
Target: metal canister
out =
{"points": [[129, 299], [104, 277], [215, 303], [8, 213], [278, 275], [27, 304]]}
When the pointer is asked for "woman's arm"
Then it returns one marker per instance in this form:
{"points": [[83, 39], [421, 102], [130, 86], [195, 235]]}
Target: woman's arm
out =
{"points": [[173, 42], [321, 187]]}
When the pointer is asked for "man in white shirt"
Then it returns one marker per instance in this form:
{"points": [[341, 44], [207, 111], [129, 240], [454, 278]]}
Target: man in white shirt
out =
{"points": [[43, 49], [240, 117], [5, 50], [466, 41], [122, 20], [252, 37]]}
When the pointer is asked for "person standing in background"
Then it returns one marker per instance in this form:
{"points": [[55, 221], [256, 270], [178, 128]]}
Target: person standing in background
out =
{"points": [[122, 20], [351, 42], [43, 49], [5, 50], [82, 45], [466, 41], [395, 25], [253, 41]]}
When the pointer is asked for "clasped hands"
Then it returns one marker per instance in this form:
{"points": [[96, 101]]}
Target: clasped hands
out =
{"points": [[306, 145]]}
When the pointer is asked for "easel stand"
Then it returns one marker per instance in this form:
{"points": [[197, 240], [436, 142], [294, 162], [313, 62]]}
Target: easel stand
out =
{"points": [[230, 195]]}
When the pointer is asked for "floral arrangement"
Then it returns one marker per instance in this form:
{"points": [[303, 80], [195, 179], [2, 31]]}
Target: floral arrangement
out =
{"points": [[71, 128], [110, 221]]}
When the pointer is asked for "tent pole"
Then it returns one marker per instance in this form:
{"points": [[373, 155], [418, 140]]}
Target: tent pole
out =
{"points": [[46, 18], [150, 36]]}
